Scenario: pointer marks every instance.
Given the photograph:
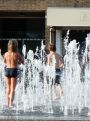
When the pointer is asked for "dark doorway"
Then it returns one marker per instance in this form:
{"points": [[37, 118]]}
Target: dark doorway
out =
{"points": [[23, 27], [78, 35]]}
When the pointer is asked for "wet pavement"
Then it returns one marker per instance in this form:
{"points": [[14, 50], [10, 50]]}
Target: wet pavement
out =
{"points": [[44, 118], [13, 115]]}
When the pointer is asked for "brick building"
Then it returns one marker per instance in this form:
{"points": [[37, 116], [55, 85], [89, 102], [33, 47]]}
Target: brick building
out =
{"points": [[27, 20]]}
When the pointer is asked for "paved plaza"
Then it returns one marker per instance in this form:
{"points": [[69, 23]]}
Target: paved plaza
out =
{"points": [[13, 115]]}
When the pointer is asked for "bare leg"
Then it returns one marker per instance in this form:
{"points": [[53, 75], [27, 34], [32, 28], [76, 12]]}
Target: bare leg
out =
{"points": [[57, 91], [61, 90], [13, 85], [8, 89]]}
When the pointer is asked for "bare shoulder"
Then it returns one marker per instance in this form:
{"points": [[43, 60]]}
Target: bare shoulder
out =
{"points": [[6, 53], [18, 54], [59, 55], [48, 55]]}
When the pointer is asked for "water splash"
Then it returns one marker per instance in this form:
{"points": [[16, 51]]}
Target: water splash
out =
{"points": [[34, 83]]}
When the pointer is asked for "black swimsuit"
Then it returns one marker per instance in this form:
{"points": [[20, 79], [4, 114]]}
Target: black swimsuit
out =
{"points": [[10, 72], [58, 74]]}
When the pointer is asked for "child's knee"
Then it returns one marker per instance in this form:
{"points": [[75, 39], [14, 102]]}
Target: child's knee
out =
{"points": [[12, 91], [8, 90]]}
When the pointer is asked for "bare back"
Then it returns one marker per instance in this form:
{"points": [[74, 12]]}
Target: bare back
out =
{"points": [[11, 59], [58, 59]]}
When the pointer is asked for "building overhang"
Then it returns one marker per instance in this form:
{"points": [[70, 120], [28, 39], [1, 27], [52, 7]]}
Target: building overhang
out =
{"points": [[65, 17]]}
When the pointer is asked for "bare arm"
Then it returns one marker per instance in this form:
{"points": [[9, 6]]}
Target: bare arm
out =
{"points": [[4, 58], [48, 60], [20, 59], [61, 62]]}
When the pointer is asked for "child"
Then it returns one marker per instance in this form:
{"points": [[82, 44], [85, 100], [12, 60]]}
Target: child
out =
{"points": [[58, 66], [11, 59]]}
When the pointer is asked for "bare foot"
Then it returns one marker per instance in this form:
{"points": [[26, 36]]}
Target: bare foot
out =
{"points": [[8, 100], [62, 92], [11, 106]]}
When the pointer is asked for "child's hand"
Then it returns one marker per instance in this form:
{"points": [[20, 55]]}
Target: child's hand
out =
{"points": [[62, 65]]}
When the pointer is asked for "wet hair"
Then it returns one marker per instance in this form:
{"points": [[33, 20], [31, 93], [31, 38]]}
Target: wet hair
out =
{"points": [[52, 47], [13, 45]]}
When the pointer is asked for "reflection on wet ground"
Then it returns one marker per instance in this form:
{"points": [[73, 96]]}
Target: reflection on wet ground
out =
{"points": [[10, 114]]}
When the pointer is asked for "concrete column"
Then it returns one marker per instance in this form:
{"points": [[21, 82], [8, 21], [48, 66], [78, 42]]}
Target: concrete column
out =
{"points": [[59, 42]]}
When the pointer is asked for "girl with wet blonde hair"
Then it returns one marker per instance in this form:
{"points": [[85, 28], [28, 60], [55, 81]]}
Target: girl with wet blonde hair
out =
{"points": [[11, 59]]}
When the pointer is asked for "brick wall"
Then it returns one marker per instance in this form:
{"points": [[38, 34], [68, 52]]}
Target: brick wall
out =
{"points": [[69, 3], [23, 5], [40, 4]]}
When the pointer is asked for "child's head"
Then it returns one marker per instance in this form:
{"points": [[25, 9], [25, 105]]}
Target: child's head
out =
{"points": [[12, 45], [52, 47]]}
